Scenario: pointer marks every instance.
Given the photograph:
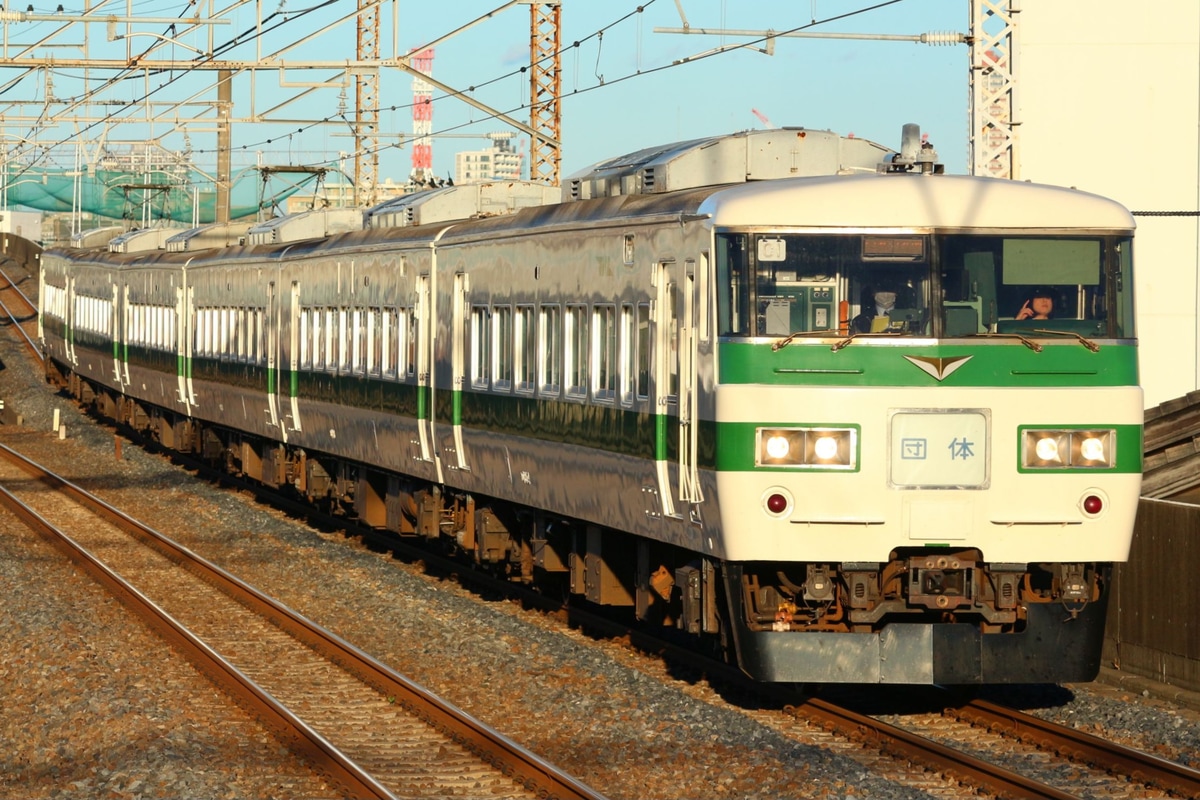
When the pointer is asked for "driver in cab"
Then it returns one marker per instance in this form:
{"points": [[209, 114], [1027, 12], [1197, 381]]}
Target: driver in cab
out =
{"points": [[876, 312]]}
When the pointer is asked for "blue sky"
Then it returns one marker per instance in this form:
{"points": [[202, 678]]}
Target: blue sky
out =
{"points": [[621, 90], [868, 88]]}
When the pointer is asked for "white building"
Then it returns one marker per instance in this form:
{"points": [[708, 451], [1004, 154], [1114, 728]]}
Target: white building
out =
{"points": [[26, 224], [1109, 102], [500, 162]]}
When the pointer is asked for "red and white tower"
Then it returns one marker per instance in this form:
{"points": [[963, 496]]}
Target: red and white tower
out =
{"points": [[422, 149]]}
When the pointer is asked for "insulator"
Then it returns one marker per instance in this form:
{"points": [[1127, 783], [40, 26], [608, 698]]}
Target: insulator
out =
{"points": [[939, 38]]}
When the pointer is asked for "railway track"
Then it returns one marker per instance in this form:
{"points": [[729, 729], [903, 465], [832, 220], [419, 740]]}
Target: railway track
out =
{"points": [[941, 744], [1008, 753], [367, 729], [22, 313]]}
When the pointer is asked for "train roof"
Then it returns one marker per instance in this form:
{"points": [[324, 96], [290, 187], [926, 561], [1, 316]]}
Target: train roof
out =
{"points": [[753, 155], [913, 200]]}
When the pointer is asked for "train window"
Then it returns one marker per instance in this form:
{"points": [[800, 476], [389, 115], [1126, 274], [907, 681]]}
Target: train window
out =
{"points": [[525, 353], [643, 351], [304, 336], [399, 341], [260, 336], [481, 346], [1033, 285], [414, 328], [318, 340], [331, 338], [242, 320], [342, 335], [387, 349], [628, 353], [502, 348], [575, 352], [672, 323], [604, 352], [733, 295], [371, 326], [356, 340], [550, 351], [223, 321]]}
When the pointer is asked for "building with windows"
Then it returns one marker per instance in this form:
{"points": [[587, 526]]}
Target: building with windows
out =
{"points": [[500, 162]]}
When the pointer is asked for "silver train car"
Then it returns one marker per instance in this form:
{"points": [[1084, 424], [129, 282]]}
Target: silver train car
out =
{"points": [[782, 394]]}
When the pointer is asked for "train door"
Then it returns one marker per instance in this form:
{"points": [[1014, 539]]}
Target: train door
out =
{"points": [[273, 388], [676, 342], [459, 339], [182, 347], [666, 382], [120, 302], [423, 308], [688, 350], [292, 384], [69, 317]]}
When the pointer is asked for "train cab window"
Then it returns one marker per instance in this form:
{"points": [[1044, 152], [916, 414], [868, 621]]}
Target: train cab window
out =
{"points": [[823, 285], [1036, 286]]}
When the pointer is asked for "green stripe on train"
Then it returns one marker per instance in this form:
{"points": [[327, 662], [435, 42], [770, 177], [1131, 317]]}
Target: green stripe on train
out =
{"points": [[1066, 363]]}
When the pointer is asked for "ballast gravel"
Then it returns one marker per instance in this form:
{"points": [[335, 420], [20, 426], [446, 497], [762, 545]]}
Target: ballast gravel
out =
{"points": [[96, 706]]}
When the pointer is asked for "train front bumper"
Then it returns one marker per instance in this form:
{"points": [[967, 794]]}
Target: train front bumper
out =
{"points": [[1052, 649]]}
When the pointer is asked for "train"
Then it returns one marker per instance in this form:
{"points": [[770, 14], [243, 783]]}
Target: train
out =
{"points": [[779, 394]]}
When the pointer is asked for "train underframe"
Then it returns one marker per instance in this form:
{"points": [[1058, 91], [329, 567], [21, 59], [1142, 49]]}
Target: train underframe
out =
{"points": [[927, 615]]}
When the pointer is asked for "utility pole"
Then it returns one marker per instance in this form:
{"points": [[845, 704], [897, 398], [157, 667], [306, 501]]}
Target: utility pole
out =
{"points": [[993, 135], [366, 107], [992, 40], [545, 92]]}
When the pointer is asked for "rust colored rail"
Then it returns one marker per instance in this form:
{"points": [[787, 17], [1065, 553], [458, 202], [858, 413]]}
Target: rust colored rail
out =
{"points": [[18, 317], [1079, 746], [972, 771], [522, 766]]}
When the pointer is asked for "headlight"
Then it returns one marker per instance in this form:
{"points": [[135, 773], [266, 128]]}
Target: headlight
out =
{"points": [[831, 448], [1050, 449]]}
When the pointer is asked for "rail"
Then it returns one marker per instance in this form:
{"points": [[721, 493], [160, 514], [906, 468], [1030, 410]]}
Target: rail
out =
{"points": [[17, 319], [1142, 767], [522, 766]]}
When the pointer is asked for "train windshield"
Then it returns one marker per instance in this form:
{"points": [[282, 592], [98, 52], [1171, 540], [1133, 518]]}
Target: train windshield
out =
{"points": [[928, 285]]}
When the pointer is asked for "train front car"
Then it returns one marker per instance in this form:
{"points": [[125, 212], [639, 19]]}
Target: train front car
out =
{"points": [[920, 479]]}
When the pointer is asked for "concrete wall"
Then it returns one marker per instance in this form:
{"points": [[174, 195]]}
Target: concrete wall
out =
{"points": [[1109, 102]]}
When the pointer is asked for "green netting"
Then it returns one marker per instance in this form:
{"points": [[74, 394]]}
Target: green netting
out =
{"points": [[120, 194]]}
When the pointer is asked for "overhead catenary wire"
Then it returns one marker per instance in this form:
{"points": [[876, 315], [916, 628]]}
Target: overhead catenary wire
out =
{"points": [[293, 15]]}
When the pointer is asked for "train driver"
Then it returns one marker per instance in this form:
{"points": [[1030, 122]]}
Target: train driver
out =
{"points": [[1040, 305], [876, 311]]}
